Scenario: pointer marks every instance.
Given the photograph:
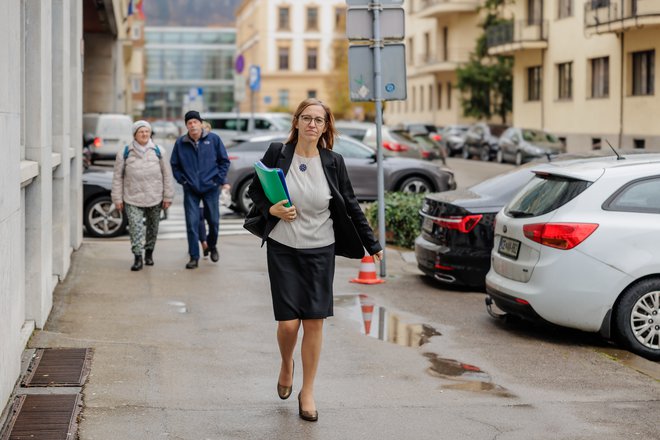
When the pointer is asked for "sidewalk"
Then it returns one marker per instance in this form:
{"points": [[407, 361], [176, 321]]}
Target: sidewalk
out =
{"points": [[191, 354]]}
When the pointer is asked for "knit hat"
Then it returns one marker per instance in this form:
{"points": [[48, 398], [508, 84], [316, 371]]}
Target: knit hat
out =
{"points": [[192, 114], [139, 124]]}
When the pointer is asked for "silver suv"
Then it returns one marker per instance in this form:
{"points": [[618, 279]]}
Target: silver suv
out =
{"points": [[228, 125]]}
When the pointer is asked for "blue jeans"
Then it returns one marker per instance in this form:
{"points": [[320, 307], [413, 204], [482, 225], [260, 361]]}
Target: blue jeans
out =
{"points": [[212, 213]]}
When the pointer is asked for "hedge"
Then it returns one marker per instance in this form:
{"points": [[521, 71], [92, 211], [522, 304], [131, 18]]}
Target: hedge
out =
{"points": [[402, 222]]}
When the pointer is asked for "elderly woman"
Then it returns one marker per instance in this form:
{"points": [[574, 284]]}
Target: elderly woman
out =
{"points": [[325, 220], [142, 185]]}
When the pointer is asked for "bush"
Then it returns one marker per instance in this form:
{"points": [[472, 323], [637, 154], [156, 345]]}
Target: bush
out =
{"points": [[402, 224]]}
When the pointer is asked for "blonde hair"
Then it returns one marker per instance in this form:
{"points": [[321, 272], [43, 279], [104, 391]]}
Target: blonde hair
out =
{"points": [[328, 137], [206, 125]]}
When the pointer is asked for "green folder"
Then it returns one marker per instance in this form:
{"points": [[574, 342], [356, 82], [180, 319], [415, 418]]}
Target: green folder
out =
{"points": [[273, 182]]}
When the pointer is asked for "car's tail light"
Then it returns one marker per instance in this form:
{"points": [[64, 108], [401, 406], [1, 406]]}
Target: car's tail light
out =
{"points": [[394, 146], [559, 235], [426, 154], [460, 223], [437, 137], [98, 143], [233, 157]]}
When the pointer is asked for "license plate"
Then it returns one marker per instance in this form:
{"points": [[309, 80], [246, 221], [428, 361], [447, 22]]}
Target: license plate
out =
{"points": [[509, 247], [427, 224]]}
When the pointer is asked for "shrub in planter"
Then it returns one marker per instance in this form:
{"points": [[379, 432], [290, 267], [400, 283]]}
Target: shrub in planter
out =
{"points": [[402, 224]]}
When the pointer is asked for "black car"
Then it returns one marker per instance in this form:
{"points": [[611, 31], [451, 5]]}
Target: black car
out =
{"points": [[482, 140], [100, 216], [457, 229]]}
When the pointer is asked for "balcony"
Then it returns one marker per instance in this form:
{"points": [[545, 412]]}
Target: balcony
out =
{"points": [[513, 36], [605, 16], [426, 64], [437, 8]]}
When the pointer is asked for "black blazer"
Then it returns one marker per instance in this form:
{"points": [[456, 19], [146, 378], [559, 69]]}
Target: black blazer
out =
{"points": [[352, 231]]}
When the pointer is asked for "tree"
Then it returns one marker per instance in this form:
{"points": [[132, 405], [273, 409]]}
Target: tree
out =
{"points": [[486, 82]]}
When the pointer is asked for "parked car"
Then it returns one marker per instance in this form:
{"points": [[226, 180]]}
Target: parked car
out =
{"points": [[579, 247], [520, 145], [428, 138], [165, 130], [453, 139], [100, 217], [400, 174], [112, 131], [228, 125], [482, 139], [395, 144], [456, 236]]}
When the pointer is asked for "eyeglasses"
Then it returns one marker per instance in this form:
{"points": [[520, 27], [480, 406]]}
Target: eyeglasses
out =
{"points": [[319, 122]]}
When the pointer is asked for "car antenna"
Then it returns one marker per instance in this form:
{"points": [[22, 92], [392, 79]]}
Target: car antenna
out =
{"points": [[618, 156]]}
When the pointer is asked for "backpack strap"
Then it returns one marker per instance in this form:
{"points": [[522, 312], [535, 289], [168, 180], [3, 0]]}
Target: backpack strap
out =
{"points": [[158, 153]]}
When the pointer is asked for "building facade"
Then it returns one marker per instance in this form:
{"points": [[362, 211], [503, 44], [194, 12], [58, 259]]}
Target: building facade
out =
{"points": [[440, 35], [585, 70], [188, 67], [293, 44]]}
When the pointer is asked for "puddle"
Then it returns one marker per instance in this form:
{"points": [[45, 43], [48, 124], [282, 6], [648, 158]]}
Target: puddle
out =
{"points": [[180, 306], [403, 329]]}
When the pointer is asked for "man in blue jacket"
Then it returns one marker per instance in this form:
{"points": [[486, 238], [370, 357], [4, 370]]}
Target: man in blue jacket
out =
{"points": [[200, 164]]}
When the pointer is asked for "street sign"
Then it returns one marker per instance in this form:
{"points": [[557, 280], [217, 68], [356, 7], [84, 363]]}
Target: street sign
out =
{"points": [[255, 78], [359, 24], [239, 88], [361, 73], [239, 65], [368, 2]]}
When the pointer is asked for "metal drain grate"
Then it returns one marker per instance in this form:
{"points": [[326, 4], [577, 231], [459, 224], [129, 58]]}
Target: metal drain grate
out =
{"points": [[60, 367], [43, 417]]}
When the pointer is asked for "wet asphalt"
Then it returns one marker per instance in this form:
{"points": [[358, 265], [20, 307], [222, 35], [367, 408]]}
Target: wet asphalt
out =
{"points": [[191, 354]]}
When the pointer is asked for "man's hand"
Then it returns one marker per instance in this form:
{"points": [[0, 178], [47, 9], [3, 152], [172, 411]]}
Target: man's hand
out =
{"points": [[281, 211]]}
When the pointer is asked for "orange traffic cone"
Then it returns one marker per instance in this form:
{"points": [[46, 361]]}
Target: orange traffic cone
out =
{"points": [[367, 273]]}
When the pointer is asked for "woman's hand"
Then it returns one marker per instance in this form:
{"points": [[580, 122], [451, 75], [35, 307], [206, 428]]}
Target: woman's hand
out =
{"points": [[281, 211], [378, 256], [166, 204], [119, 206]]}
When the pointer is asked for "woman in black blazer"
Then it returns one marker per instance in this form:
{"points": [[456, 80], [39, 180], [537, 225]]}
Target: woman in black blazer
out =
{"points": [[324, 220]]}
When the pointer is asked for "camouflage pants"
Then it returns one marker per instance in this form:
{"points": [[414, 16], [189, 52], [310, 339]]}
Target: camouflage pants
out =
{"points": [[140, 219]]}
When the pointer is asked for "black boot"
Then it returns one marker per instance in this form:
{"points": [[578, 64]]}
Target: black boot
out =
{"points": [[192, 264], [149, 257], [137, 265]]}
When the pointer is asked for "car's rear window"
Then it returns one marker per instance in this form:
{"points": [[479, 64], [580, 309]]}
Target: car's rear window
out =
{"points": [[543, 194]]}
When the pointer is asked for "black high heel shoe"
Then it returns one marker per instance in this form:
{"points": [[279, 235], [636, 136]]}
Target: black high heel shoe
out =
{"points": [[285, 392], [310, 416]]}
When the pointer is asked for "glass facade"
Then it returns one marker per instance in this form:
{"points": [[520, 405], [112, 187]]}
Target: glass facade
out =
{"points": [[181, 63]]}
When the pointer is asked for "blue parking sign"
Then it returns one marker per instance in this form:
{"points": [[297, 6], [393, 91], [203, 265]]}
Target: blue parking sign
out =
{"points": [[255, 78]]}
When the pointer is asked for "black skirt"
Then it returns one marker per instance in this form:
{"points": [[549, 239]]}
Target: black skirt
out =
{"points": [[301, 281]]}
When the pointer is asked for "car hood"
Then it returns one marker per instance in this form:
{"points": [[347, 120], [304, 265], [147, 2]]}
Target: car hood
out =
{"points": [[101, 178]]}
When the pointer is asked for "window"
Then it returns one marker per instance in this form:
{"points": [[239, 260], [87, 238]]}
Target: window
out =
{"points": [[427, 47], [430, 96], [312, 58], [136, 84], [534, 83], [136, 31], [600, 77], [340, 19], [565, 77], [283, 19], [421, 98], [283, 98], [639, 143], [445, 43], [311, 93], [283, 58], [414, 98], [565, 8], [595, 4], [534, 12], [449, 95], [313, 19], [411, 51], [643, 72], [596, 144], [640, 196], [439, 96]]}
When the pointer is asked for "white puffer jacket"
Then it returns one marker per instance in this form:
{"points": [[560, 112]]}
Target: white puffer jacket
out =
{"points": [[145, 180]]}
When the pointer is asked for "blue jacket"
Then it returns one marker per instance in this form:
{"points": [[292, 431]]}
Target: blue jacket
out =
{"points": [[200, 166]]}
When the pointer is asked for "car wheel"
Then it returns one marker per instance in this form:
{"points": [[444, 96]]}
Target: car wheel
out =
{"points": [[638, 318], [500, 156], [519, 159], [484, 154], [102, 219], [243, 201], [416, 185]]}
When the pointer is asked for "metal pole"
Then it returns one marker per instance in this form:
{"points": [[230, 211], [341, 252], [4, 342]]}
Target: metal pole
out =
{"points": [[377, 45]]}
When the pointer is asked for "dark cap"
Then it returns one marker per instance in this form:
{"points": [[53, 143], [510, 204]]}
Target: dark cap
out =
{"points": [[192, 114]]}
